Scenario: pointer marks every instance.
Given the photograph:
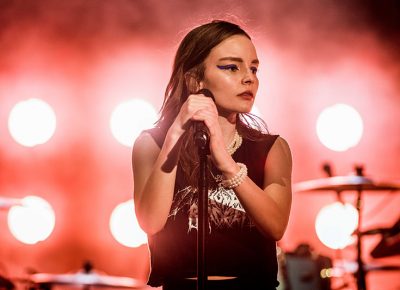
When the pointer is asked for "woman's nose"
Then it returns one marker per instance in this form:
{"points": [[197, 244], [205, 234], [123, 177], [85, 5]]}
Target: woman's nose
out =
{"points": [[249, 77]]}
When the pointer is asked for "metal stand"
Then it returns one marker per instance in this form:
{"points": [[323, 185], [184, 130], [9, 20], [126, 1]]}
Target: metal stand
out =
{"points": [[360, 275], [361, 281], [359, 184], [201, 140]]}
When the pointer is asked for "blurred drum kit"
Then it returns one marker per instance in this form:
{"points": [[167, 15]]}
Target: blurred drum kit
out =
{"points": [[85, 278], [389, 245]]}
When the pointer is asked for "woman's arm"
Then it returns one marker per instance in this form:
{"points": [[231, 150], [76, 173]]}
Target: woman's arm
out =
{"points": [[154, 172], [269, 207], [154, 169]]}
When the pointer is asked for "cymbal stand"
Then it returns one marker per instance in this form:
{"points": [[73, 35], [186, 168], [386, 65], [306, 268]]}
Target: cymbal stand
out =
{"points": [[338, 251], [360, 274]]}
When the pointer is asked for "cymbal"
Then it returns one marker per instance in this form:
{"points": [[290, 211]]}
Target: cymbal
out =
{"points": [[352, 267], [342, 183], [340, 271], [7, 202], [89, 279]]}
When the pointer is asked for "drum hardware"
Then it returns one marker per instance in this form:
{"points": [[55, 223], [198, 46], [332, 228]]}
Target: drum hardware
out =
{"points": [[6, 284], [358, 183], [389, 245], [352, 267], [7, 202], [86, 277], [345, 183], [303, 269]]}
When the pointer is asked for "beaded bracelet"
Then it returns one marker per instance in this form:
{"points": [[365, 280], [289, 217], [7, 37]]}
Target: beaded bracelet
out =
{"points": [[237, 179]]}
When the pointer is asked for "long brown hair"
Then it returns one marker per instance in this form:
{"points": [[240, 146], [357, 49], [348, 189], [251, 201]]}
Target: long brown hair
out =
{"points": [[189, 64]]}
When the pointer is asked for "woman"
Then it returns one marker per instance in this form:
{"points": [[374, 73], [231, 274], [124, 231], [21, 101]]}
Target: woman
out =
{"points": [[249, 170]]}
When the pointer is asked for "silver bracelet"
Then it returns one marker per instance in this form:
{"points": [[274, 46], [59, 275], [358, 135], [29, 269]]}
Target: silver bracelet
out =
{"points": [[237, 179]]}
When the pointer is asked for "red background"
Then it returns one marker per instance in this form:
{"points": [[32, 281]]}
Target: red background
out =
{"points": [[85, 57]]}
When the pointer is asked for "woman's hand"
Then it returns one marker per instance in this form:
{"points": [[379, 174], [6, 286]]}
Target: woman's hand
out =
{"points": [[197, 107], [203, 109]]}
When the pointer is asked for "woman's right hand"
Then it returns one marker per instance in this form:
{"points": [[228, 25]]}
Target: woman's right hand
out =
{"points": [[201, 108], [190, 111]]}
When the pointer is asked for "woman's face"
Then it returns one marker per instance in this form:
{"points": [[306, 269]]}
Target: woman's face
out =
{"points": [[231, 75]]}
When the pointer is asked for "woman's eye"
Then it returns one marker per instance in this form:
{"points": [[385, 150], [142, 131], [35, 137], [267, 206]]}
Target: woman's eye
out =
{"points": [[254, 70], [231, 67]]}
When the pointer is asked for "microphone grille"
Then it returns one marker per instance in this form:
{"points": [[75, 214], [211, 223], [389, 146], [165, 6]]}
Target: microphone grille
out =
{"points": [[207, 93]]}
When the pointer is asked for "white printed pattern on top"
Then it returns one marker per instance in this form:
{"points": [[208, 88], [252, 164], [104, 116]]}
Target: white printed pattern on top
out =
{"points": [[224, 208]]}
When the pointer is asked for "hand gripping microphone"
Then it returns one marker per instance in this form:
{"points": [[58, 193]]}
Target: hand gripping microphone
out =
{"points": [[201, 133]]}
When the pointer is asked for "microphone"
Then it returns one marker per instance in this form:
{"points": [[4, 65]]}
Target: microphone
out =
{"points": [[207, 93], [201, 133]]}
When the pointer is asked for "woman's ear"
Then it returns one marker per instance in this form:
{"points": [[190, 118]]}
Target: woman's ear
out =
{"points": [[200, 85]]}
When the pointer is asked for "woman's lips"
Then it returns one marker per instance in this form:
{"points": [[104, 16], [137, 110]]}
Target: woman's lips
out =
{"points": [[246, 95]]}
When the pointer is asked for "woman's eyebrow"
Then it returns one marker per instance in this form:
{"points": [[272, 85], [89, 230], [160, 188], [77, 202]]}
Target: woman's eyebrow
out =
{"points": [[238, 59]]}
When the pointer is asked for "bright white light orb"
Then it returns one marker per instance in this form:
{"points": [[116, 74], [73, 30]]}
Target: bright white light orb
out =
{"points": [[339, 127], [32, 122], [31, 222], [130, 118], [125, 227], [335, 224]]}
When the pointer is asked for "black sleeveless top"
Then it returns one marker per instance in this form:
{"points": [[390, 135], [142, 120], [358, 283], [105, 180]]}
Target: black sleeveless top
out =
{"points": [[235, 247]]}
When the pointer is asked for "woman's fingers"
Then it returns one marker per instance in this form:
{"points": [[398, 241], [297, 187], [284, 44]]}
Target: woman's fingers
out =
{"points": [[197, 108]]}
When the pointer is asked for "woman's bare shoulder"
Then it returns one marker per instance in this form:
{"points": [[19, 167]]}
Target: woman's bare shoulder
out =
{"points": [[145, 145], [280, 153]]}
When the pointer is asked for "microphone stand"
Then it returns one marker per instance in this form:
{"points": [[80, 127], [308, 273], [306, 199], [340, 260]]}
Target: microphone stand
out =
{"points": [[202, 142]]}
